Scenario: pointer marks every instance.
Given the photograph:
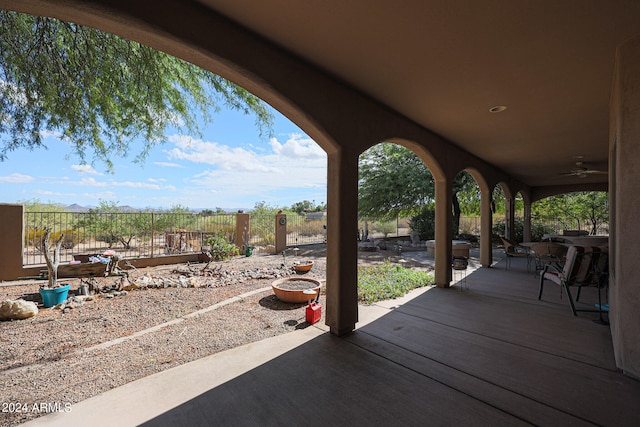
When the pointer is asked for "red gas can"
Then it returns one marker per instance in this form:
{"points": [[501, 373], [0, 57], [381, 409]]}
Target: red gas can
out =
{"points": [[313, 312]]}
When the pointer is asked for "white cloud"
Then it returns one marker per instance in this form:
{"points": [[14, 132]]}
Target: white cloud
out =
{"points": [[17, 178], [85, 169], [92, 182], [44, 134], [298, 147], [252, 172], [222, 156], [168, 165]]}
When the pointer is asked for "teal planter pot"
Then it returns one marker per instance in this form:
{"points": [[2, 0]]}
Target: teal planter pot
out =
{"points": [[55, 296]]}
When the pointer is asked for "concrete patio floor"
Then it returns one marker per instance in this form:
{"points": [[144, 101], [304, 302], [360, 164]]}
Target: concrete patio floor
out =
{"points": [[488, 355]]}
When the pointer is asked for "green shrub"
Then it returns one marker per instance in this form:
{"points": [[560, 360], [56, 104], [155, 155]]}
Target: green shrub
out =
{"points": [[425, 223], [388, 281], [537, 230], [220, 249], [384, 227]]}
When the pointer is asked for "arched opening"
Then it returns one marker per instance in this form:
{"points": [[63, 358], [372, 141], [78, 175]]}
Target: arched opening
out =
{"points": [[509, 213], [396, 184], [191, 172], [466, 207]]}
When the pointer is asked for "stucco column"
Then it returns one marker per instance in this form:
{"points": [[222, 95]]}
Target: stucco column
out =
{"points": [[444, 222], [486, 229], [243, 229], [509, 220], [342, 245], [12, 232], [281, 233], [526, 230], [624, 205]]}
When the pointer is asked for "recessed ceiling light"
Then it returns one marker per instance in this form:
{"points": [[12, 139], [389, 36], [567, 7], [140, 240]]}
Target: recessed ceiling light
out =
{"points": [[497, 109]]}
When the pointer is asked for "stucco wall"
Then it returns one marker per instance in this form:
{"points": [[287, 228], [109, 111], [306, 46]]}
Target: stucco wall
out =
{"points": [[625, 207], [11, 232]]}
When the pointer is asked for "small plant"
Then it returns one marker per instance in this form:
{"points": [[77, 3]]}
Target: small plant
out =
{"points": [[220, 249], [385, 227], [388, 281]]}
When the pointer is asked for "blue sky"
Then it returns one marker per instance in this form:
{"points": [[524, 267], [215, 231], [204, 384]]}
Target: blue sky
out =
{"points": [[230, 166]]}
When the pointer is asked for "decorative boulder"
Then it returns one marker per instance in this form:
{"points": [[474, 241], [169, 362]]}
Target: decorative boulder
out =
{"points": [[18, 309]]}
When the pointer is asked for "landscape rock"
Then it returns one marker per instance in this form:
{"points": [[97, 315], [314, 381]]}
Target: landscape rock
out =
{"points": [[17, 309], [131, 287]]}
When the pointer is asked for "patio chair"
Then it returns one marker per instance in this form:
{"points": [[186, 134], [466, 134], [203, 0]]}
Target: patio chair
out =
{"points": [[584, 266], [513, 250], [546, 253]]}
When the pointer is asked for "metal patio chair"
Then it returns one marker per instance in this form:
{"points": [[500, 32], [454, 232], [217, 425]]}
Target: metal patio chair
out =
{"points": [[513, 250], [584, 266]]}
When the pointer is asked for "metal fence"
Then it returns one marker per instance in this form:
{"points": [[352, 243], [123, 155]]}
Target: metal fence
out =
{"points": [[383, 228], [539, 226], [132, 235], [149, 234], [306, 229]]}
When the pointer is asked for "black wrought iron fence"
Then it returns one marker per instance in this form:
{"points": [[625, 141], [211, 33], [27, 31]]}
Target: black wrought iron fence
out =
{"points": [[132, 235], [383, 227], [306, 229]]}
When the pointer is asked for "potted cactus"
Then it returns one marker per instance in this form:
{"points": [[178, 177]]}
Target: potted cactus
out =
{"points": [[53, 293]]}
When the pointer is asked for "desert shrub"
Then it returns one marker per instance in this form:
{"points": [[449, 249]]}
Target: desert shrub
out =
{"points": [[263, 229], [220, 249], [33, 237], [220, 224], [384, 227]]}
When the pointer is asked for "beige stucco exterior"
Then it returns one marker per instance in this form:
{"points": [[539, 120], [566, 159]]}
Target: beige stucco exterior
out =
{"points": [[345, 122], [624, 193], [12, 233]]}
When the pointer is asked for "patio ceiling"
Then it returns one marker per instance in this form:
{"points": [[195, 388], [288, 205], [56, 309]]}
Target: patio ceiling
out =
{"points": [[445, 64]]}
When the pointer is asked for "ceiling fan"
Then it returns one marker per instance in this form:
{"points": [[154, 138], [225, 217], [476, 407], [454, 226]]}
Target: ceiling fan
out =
{"points": [[582, 171]]}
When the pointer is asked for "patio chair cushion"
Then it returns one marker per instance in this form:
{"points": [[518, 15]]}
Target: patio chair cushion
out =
{"points": [[577, 267]]}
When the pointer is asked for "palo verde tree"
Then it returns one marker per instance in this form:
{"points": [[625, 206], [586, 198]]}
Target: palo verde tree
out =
{"points": [[99, 91], [394, 181]]}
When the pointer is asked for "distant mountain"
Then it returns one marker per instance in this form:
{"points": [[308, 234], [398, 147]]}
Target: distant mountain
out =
{"points": [[127, 209], [76, 208]]}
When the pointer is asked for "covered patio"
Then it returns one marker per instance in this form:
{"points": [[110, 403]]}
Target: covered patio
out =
{"points": [[489, 355], [516, 93]]}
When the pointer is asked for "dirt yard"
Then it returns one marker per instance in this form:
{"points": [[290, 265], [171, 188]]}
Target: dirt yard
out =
{"points": [[60, 357]]}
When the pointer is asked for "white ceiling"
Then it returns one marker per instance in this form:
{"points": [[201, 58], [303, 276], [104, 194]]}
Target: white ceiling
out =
{"points": [[444, 63]]}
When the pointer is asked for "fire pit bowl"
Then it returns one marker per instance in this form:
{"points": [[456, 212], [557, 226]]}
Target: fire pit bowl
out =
{"points": [[303, 267], [291, 289]]}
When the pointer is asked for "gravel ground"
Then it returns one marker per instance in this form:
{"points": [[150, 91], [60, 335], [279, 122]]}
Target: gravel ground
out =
{"points": [[59, 358]]}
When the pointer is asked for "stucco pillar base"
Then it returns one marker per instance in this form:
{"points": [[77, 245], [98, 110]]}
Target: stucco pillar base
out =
{"points": [[342, 332]]}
